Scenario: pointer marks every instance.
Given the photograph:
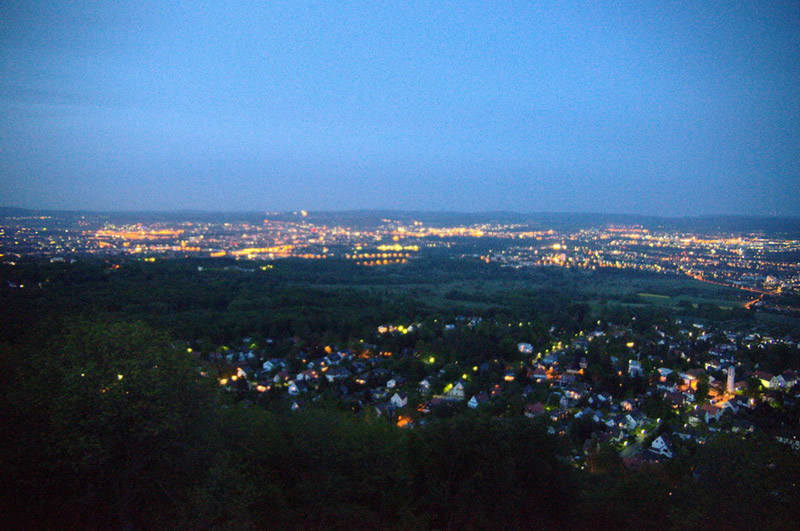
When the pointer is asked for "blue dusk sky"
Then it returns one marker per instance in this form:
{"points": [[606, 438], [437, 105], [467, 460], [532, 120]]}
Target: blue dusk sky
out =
{"points": [[667, 108]]}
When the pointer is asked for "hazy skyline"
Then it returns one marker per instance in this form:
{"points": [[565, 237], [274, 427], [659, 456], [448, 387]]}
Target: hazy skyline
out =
{"points": [[603, 107]]}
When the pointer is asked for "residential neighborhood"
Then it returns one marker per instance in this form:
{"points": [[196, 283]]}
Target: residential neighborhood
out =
{"points": [[648, 393]]}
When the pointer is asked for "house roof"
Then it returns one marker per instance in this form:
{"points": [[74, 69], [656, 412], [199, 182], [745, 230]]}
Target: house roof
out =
{"points": [[667, 441], [535, 409]]}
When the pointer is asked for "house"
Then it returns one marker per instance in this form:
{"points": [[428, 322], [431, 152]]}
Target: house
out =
{"points": [[743, 425], [567, 380], [296, 387], [692, 377], [741, 401], [634, 419], [689, 395], [765, 378], [550, 359], [424, 386], [539, 374], [378, 394], [615, 435], [667, 387], [662, 445], [337, 373], [648, 457], [740, 386], [533, 410], [777, 382], [710, 412], [696, 418], [576, 391], [635, 369], [525, 348], [589, 413], [385, 409], [477, 400], [399, 399], [271, 364], [730, 405], [457, 392], [674, 399]]}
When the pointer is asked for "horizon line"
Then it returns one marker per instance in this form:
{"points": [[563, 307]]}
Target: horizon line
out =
{"points": [[401, 211]]}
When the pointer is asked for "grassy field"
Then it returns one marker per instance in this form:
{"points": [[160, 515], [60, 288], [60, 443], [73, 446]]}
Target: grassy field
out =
{"points": [[656, 299], [665, 300]]}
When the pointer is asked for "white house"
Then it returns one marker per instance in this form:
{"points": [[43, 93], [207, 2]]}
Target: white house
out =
{"points": [[457, 391], [477, 400], [399, 399], [662, 445], [424, 386]]}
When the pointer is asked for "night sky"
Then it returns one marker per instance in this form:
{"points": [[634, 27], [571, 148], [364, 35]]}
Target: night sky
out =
{"points": [[665, 108]]}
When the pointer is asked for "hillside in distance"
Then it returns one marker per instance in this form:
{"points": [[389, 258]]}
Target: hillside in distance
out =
{"points": [[370, 218]]}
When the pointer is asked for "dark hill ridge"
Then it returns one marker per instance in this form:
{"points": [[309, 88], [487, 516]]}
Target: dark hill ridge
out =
{"points": [[787, 227]]}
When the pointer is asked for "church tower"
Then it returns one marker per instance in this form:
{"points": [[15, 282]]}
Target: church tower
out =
{"points": [[731, 379]]}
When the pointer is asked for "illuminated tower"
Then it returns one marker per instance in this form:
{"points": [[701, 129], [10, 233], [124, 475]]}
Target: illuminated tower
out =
{"points": [[731, 378]]}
